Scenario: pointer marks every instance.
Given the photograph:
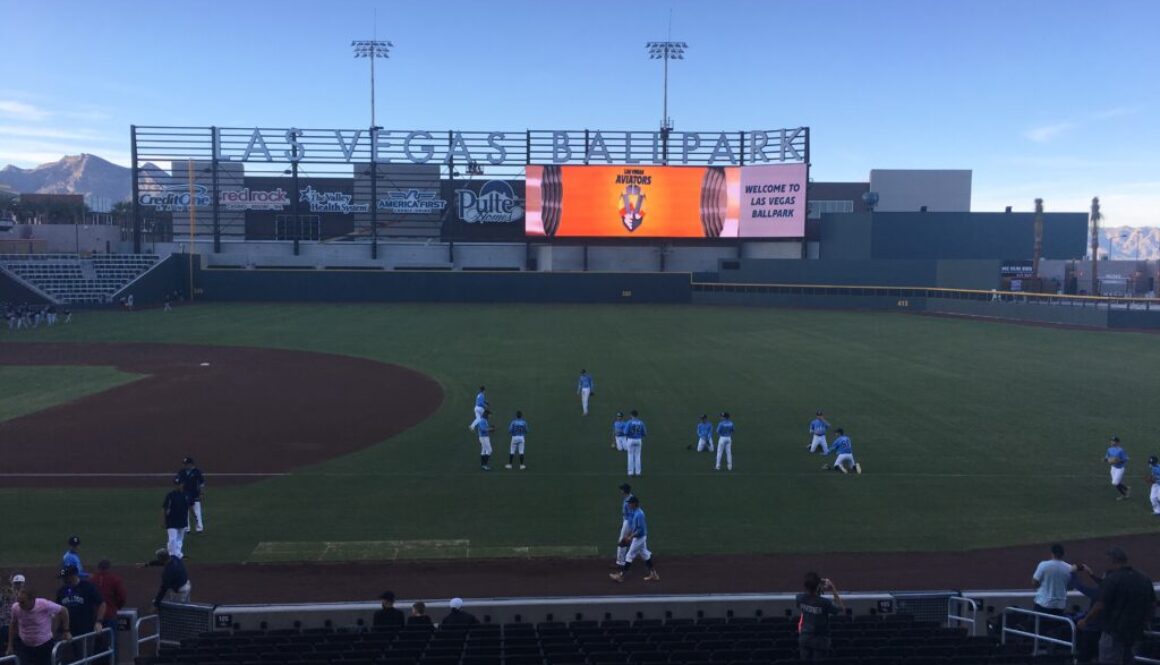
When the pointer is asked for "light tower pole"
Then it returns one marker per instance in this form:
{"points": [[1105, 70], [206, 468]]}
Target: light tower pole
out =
{"points": [[372, 49], [666, 51]]}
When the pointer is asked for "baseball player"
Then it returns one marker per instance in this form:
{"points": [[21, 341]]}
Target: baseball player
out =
{"points": [[584, 388], [637, 544], [480, 407], [818, 427], [844, 449], [175, 514], [484, 429], [518, 429], [725, 441], [634, 434], [625, 525], [704, 434], [618, 431], [1154, 476], [193, 484], [1117, 459]]}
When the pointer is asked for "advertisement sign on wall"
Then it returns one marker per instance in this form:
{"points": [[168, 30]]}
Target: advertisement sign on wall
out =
{"points": [[666, 201], [484, 210]]}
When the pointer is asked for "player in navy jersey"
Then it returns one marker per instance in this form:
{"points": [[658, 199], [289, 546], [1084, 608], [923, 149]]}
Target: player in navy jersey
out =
{"points": [[518, 429], [192, 482]]}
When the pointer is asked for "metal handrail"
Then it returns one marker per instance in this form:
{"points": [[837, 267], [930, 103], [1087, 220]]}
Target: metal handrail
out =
{"points": [[1039, 616], [960, 603], [10, 660], [155, 637], [85, 640]]}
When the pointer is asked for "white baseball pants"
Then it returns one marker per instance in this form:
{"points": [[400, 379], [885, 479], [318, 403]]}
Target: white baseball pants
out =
{"points": [[517, 445], [181, 595], [478, 416], [485, 445], [197, 515], [639, 547], [705, 444], [620, 442], [725, 447], [846, 460], [1118, 475], [1155, 497], [633, 446], [819, 442], [585, 393], [176, 542]]}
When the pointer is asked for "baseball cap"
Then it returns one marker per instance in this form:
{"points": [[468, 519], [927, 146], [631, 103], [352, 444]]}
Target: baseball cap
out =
{"points": [[187, 460], [73, 540], [1115, 438], [68, 570], [818, 412], [18, 579], [456, 603], [387, 595], [704, 417], [625, 487], [1116, 554], [619, 414]]}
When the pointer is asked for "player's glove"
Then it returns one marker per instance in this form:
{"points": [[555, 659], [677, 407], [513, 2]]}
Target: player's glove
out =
{"points": [[626, 542]]}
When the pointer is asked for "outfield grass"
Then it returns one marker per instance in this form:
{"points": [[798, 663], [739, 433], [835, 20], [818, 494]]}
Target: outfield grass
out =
{"points": [[972, 434], [28, 389]]}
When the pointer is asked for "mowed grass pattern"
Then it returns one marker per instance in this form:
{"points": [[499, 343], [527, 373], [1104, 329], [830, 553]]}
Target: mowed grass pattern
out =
{"points": [[25, 390], [972, 434]]}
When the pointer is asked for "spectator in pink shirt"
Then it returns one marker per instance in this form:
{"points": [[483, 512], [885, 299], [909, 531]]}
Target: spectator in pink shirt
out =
{"points": [[34, 621]]}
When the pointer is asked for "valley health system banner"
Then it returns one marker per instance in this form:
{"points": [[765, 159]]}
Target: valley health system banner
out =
{"points": [[666, 201]]}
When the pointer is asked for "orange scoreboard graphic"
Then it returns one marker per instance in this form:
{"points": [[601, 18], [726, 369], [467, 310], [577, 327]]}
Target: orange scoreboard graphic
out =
{"points": [[666, 201]]}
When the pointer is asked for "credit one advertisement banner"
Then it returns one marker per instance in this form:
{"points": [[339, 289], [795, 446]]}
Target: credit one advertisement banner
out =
{"points": [[666, 201], [486, 210]]}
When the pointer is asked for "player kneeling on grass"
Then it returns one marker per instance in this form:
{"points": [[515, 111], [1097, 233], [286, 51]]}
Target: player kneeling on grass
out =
{"points": [[518, 429], [637, 545], [1117, 459], [704, 434], [844, 449]]}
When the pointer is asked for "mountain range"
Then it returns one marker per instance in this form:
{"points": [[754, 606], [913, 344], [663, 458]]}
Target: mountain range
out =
{"points": [[104, 183]]}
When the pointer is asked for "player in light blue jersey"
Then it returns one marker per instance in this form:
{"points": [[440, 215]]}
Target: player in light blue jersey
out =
{"points": [[704, 434], [479, 408], [637, 544], [1154, 477], [625, 534], [618, 431], [634, 434], [725, 442], [518, 429], [1117, 460], [818, 428], [484, 429], [585, 388], [844, 449]]}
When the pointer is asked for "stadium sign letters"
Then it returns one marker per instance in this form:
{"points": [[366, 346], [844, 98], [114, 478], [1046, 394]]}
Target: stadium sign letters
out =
{"points": [[508, 148], [412, 201], [256, 199], [175, 198], [335, 202]]}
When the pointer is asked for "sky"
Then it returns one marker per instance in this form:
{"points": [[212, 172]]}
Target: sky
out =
{"points": [[1056, 99]]}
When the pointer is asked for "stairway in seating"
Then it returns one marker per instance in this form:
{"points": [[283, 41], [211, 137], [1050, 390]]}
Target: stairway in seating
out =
{"points": [[70, 279]]}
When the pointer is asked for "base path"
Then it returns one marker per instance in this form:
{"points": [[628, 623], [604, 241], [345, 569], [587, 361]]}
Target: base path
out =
{"points": [[250, 412], [996, 568]]}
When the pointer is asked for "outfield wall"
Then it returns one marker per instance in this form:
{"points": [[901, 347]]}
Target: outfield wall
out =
{"points": [[949, 274], [312, 285]]}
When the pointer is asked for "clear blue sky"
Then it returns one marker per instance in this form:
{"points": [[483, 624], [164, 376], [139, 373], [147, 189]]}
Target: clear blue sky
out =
{"points": [[1058, 99]]}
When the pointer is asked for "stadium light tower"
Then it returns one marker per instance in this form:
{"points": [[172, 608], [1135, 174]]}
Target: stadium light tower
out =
{"points": [[666, 51], [372, 49]]}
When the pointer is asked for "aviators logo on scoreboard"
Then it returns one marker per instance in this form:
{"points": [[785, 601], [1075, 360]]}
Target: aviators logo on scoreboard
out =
{"points": [[633, 197]]}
